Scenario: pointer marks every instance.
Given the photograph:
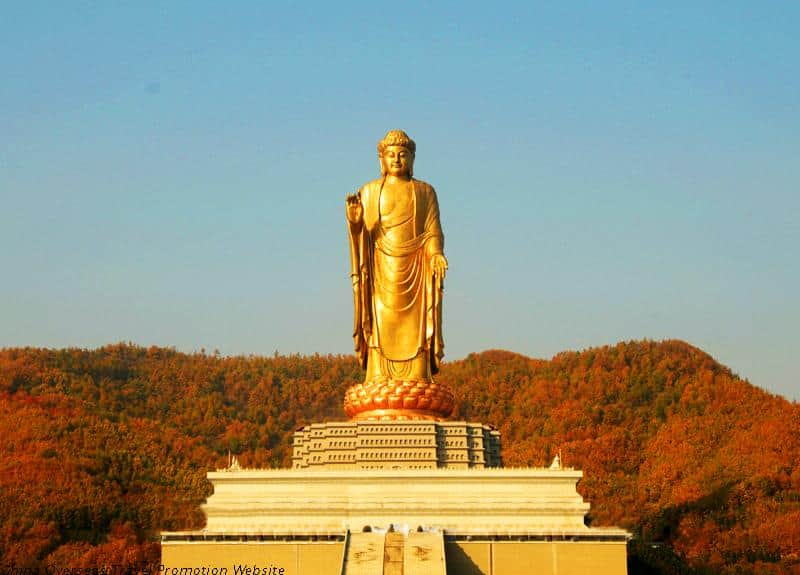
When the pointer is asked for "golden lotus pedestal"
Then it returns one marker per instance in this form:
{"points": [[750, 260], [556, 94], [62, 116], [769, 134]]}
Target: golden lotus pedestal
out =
{"points": [[399, 497], [384, 399]]}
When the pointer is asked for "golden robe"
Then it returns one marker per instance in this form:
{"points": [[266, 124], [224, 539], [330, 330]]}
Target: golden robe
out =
{"points": [[398, 305]]}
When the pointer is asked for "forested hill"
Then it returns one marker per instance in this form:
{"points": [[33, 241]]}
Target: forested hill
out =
{"points": [[100, 449]]}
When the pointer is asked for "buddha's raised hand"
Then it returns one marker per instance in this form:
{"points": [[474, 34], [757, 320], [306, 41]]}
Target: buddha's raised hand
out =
{"points": [[354, 210]]}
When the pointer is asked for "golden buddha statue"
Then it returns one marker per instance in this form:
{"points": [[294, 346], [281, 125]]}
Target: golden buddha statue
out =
{"points": [[397, 270]]}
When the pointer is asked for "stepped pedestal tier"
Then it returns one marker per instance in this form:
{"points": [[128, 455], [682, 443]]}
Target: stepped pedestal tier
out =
{"points": [[480, 502], [396, 445]]}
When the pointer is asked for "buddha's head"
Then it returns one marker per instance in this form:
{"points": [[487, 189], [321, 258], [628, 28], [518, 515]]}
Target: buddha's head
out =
{"points": [[396, 153]]}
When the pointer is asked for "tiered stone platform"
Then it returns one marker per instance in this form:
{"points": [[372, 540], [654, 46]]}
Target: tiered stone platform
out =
{"points": [[417, 509]]}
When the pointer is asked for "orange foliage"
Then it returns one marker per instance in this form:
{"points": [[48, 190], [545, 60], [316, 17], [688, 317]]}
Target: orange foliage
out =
{"points": [[99, 450]]}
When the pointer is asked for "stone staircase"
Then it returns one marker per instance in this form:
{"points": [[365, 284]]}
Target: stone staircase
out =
{"points": [[393, 553], [424, 554]]}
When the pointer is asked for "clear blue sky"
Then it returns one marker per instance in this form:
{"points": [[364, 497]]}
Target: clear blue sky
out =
{"points": [[174, 173]]}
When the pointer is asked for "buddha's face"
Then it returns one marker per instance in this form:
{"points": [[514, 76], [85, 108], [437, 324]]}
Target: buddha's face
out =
{"points": [[397, 161]]}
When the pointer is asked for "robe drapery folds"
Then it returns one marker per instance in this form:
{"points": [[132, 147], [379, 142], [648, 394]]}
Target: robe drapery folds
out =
{"points": [[398, 303]]}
